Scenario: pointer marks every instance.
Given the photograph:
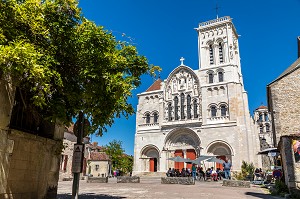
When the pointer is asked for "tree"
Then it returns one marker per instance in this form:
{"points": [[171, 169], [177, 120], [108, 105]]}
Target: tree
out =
{"points": [[66, 63], [115, 151]]}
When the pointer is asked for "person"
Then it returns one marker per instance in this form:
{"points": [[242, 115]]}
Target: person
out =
{"points": [[214, 174], [194, 171], [227, 167], [169, 173]]}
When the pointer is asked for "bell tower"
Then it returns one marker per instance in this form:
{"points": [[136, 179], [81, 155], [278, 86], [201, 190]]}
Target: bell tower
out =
{"points": [[218, 46]]}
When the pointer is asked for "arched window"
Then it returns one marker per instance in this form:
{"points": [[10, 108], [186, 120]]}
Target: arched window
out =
{"points": [[147, 118], [221, 53], [155, 118], [195, 109], [223, 110], [182, 106], [267, 127], [188, 104], [260, 119], [170, 112], [176, 107], [210, 78], [211, 55], [213, 111], [261, 129], [221, 77], [266, 117]]}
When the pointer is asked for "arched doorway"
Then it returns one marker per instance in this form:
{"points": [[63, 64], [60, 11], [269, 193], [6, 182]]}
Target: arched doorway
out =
{"points": [[181, 142], [150, 156], [222, 150]]}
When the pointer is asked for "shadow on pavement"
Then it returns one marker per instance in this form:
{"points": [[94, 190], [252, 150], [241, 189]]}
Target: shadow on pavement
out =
{"points": [[260, 195], [89, 196]]}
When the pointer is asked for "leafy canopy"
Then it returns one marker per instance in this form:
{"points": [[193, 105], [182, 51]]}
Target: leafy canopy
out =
{"points": [[66, 63], [119, 160]]}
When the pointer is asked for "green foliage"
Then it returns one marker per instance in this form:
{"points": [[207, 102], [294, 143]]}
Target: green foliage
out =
{"points": [[247, 170], [119, 160], [280, 188], [67, 63]]}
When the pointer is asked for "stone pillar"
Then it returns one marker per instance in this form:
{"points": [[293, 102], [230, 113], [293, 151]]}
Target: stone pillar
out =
{"points": [[184, 156]]}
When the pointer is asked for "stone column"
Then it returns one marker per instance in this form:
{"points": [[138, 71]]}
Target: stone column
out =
{"points": [[184, 156]]}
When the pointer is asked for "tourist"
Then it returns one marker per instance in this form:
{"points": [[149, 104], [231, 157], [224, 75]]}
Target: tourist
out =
{"points": [[169, 173], [214, 174], [227, 167], [194, 171]]}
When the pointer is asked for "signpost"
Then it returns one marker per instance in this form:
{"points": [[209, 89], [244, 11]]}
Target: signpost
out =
{"points": [[78, 155]]}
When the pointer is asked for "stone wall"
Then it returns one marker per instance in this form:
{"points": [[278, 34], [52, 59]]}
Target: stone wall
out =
{"points": [[29, 163], [285, 94], [178, 180], [128, 179]]}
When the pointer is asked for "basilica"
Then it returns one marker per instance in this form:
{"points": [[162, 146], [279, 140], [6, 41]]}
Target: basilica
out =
{"points": [[198, 112]]}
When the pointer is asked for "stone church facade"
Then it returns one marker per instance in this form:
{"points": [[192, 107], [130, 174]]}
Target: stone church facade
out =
{"points": [[198, 112]]}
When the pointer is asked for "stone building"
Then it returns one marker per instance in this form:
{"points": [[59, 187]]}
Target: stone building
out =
{"points": [[197, 111], [99, 164], [29, 147], [263, 127], [284, 104]]}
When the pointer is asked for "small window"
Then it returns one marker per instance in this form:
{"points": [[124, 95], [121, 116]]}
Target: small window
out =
{"points": [[148, 118], [266, 117], [155, 117], [260, 119], [223, 110], [188, 103], [261, 129], [182, 106], [267, 127], [169, 112], [176, 107], [221, 53], [195, 109], [213, 110], [210, 78], [96, 167], [211, 55], [221, 78]]}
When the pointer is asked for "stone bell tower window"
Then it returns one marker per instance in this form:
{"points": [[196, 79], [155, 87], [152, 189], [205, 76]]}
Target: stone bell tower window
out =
{"points": [[221, 53], [211, 55]]}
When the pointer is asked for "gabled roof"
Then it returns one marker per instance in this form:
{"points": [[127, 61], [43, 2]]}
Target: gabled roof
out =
{"points": [[99, 156], [155, 86], [289, 70]]}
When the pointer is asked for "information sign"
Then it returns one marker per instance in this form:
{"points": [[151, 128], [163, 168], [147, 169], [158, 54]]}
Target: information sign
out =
{"points": [[77, 158]]}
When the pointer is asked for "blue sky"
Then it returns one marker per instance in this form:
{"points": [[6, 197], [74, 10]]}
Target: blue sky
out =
{"points": [[163, 31]]}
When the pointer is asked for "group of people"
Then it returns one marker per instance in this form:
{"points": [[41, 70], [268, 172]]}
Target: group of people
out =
{"points": [[198, 172]]}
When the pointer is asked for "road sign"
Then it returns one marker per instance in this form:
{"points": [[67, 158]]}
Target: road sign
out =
{"points": [[86, 125], [77, 158]]}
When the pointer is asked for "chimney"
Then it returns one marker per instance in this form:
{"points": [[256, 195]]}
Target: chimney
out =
{"points": [[298, 46]]}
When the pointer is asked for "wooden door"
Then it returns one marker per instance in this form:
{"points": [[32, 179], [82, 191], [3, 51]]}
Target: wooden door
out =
{"points": [[219, 165], [179, 165], [152, 164], [191, 154]]}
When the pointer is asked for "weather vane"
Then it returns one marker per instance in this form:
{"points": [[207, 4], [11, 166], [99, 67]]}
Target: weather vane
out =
{"points": [[217, 9]]}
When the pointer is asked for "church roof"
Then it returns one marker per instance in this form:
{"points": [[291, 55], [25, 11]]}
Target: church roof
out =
{"points": [[262, 107], [155, 86]]}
